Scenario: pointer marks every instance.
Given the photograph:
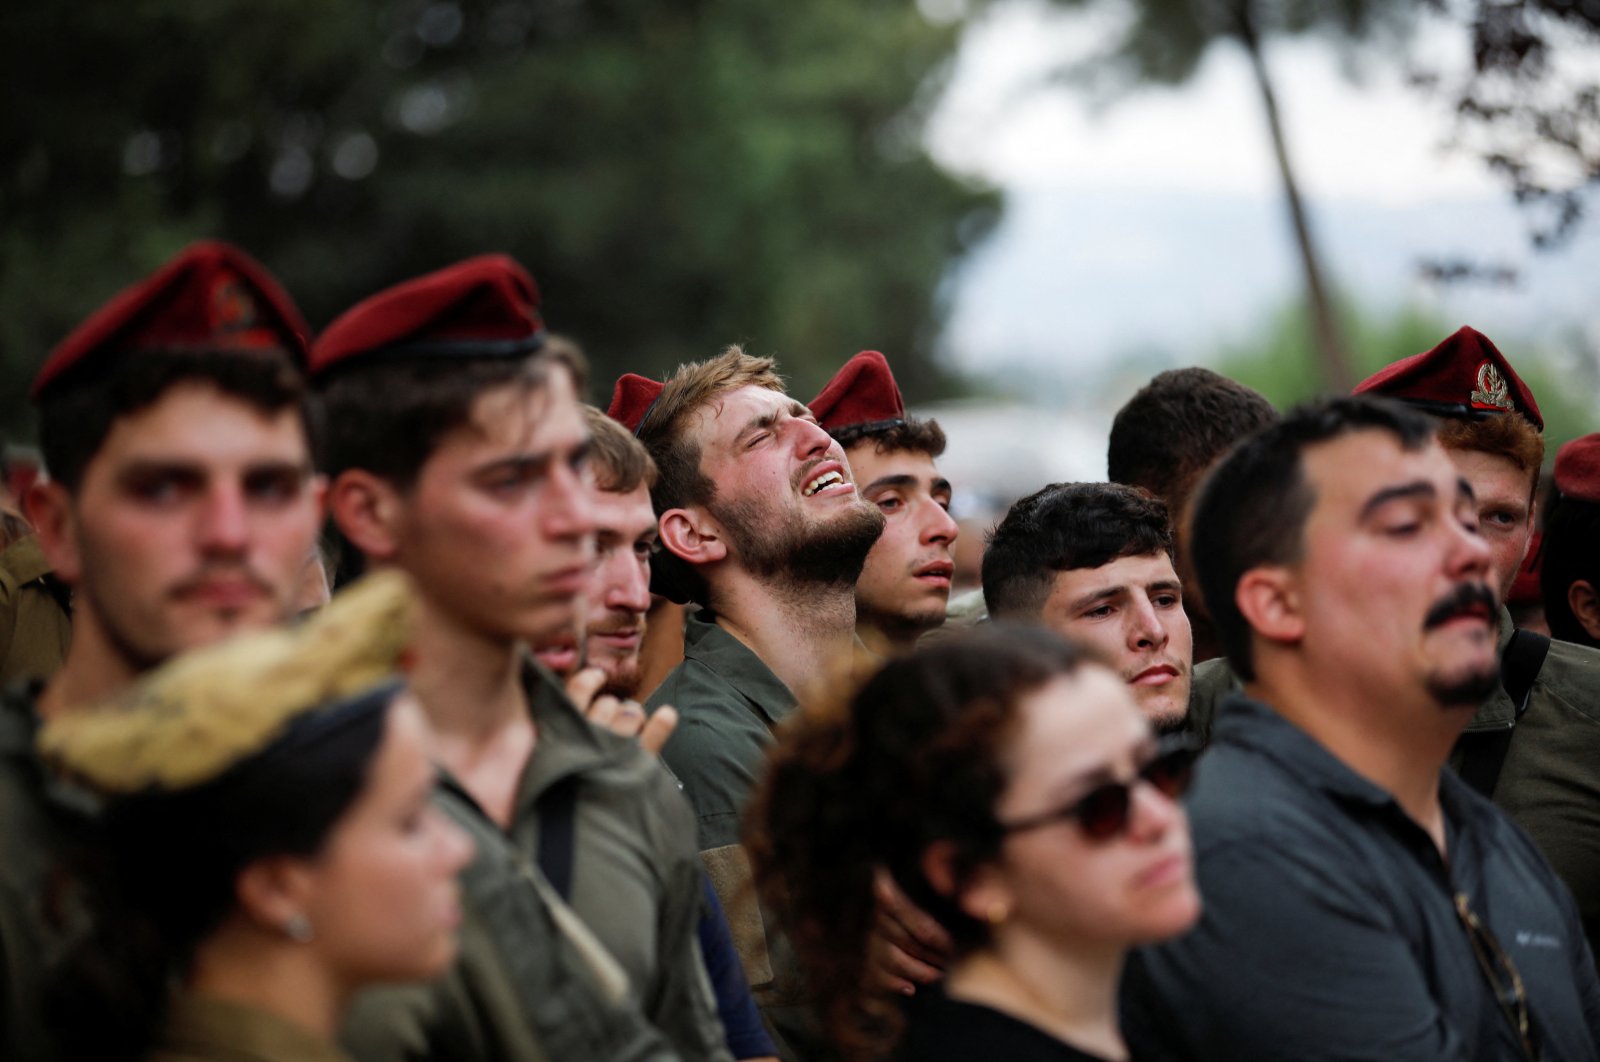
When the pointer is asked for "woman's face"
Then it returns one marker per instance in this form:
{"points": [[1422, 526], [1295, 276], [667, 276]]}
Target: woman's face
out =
{"points": [[383, 901], [1053, 881]]}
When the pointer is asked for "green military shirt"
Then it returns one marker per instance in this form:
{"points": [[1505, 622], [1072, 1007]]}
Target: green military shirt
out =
{"points": [[34, 623], [1550, 781], [215, 1030], [531, 982], [636, 876], [728, 703], [43, 830]]}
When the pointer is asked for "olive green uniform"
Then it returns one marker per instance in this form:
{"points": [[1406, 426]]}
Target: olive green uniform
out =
{"points": [[728, 703], [34, 623], [1550, 781], [635, 867], [215, 1030]]}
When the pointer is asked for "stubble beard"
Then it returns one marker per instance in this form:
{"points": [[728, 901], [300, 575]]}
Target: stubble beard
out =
{"points": [[1464, 691], [801, 555]]}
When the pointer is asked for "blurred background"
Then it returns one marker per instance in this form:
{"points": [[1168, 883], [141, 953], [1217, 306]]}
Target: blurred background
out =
{"points": [[1030, 205]]}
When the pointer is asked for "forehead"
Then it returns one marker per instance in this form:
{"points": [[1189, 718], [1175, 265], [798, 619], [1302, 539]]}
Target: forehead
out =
{"points": [[196, 422], [1344, 473], [868, 463], [1074, 725], [518, 416], [1492, 475], [724, 416], [1123, 571], [627, 513]]}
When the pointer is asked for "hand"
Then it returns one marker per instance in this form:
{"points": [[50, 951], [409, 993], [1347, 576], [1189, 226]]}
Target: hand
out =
{"points": [[618, 715], [908, 947]]}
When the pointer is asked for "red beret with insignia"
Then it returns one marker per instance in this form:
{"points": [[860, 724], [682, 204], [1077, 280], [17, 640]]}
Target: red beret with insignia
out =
{"points": [[1465, 376], [484, 307], [211, 296], [1578, 469], [632, 398], [862, 394], [1525, 587]]}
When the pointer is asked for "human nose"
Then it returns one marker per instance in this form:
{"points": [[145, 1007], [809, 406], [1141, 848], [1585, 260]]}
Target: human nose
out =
{"points": [[1152, 813], [1469, 555], [810, 437], [627, 582], [1145, 630], [224, 520], [940, 526]]}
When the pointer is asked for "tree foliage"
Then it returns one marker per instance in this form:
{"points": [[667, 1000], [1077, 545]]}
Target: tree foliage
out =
{"points": [[677, 176]]}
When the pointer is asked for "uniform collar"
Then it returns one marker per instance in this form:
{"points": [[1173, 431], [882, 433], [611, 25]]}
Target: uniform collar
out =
{"points": [[206, 1028], [1497, 712], [737, 664], [24, 560]]}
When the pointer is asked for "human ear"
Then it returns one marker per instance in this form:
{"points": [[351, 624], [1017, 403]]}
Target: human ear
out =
{"points": [[985, 895], [48, 506], [692, 535], [275, 893], [1270, 602], [1585, 605], [367, 509]]}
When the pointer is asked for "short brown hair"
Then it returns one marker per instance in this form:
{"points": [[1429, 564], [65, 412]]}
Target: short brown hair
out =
{"points": [[664, 429], [920, 436], [620, 462], [1508, 435]]}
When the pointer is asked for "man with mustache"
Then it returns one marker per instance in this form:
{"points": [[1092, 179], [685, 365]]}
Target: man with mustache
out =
{"points": [[1360, 900], [1093, 561], [762, 526], [180, 509], [459, 455], [905, 585]]}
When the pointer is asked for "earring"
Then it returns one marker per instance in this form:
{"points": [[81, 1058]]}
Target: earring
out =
{"points": [[298, 929], [998, 912]]}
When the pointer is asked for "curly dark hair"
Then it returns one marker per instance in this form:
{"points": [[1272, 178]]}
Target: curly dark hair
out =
{"points": [[911, 754]]}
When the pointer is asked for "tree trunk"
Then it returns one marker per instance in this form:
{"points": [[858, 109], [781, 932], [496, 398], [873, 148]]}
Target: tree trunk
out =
{"points": [[1337, 375]]}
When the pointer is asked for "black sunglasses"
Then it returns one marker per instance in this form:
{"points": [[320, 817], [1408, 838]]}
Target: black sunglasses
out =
{"points": [[1501, 974], [1103, 812]]}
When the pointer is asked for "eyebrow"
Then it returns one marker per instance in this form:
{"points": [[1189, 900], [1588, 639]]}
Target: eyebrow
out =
{"points": [[140, 468], [1092, 597], [898, 480]]}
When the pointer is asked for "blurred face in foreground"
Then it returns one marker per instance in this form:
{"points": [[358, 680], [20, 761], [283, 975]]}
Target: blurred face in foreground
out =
{"points": [[1089, 881]]}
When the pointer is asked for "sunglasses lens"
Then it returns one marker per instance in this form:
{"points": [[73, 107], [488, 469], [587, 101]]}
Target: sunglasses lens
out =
{"points": [[1103, 813], [1171, 773]]}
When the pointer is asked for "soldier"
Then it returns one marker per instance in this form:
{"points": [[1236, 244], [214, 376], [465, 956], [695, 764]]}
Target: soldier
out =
{"points": [[1360, 901], [905, 586], [763, 527], [270, 838], [1165, 437], [1570, 574], [180, 508], [35, 612], [1093, 562], [459, 456]]}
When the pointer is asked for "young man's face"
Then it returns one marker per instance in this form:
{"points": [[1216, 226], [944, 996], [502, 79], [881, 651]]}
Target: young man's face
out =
{"points": [[1393, 580], [498, 529], [1131, 609], [192, 521], [1505, 510], [905, 585], [785, 495]]}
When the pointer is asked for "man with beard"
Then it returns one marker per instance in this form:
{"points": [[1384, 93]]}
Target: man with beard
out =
{"points": [[459, 455], [763, 528], [180, 508], [1093, 562], [905, 585], [1360, 901]]}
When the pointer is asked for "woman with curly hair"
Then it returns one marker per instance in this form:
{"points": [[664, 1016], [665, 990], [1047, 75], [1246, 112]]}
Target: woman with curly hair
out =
{"points": [[1009, 785]]}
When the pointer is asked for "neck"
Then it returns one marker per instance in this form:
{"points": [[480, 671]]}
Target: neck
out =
{"points": [[93, 670], [802, 633], [1398, 746], [279, 977], [1069, 993], [887, 639], [469, 683]]}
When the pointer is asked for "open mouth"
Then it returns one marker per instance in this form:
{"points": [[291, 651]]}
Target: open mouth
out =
{"points": [[830, 477], [938, 572]]}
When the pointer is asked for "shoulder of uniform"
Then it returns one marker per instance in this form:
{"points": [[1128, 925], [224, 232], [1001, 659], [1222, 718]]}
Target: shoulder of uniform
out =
{"points": [[22, 562]]}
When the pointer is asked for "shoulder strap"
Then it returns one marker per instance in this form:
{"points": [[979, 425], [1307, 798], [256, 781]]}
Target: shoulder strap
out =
{"points": [[1483, 755], [557, 811]]}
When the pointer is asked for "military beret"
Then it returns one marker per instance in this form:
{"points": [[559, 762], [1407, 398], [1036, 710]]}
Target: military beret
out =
{"points": [[861, 395], [1577, 472], [206, 711], [211, 296], [1464, 376], [632, 398], [484, 307], [1525, 587]]}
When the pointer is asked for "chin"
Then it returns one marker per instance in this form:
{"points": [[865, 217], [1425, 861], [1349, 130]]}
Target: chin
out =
{"points": [[1465, 687]]}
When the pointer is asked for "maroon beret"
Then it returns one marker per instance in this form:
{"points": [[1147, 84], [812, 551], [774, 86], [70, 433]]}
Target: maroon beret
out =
{"points": [[1525, 587], [1465, 376], [632, 398], [1578, 469], [484, 307], [862, 394], [211, 296]]}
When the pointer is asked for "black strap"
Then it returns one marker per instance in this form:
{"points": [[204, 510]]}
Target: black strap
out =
{"points": [[1484, 754], [557, 813]]}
